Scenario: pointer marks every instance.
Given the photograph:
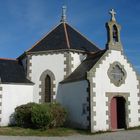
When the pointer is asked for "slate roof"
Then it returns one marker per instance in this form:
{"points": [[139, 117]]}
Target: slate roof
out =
{"points": [[80, 72], [64, 37], [12, 72]]}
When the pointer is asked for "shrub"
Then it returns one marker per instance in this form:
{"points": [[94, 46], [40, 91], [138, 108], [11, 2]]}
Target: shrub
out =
{"points": [[40, 115], [59, 115], [23, 115]]}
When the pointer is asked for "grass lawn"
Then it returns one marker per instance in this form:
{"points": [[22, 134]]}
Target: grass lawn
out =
{"points": [[17, 131]]}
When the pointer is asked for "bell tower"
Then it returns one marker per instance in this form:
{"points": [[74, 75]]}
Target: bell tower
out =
{"points": [[113, 33]]}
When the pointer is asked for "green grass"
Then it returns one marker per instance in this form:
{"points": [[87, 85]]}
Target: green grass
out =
{"points": [[18, 131], [134, 128]]}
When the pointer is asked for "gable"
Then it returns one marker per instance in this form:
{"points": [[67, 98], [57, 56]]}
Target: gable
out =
{"points": [[110, 59], [102, 88]]}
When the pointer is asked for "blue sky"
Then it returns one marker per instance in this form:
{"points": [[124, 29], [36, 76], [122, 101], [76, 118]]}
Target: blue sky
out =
{"points": [[23, 22]]}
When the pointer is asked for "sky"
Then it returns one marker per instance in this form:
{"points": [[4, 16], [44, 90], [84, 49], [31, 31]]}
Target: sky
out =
{"points": [[24, 22]]}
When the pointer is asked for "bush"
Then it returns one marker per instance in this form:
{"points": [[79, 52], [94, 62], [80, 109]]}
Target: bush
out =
{"points": [[22, 115], [40, 115], [59, 115]]}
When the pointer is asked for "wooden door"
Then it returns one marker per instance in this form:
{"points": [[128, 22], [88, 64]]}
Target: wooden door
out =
{"points": [[113, 113]]}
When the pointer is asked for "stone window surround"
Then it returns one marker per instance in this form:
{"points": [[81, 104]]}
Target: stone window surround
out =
{"points": [[42, 85], [123, 70], [111, 95]]}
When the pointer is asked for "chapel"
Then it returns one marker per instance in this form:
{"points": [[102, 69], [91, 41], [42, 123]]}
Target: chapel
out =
{"points": [[100, 88]]}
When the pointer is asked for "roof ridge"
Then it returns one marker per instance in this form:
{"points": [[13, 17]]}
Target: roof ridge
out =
{"points": [[66, 35], [45, 35], [83, 35], [12, 59]]}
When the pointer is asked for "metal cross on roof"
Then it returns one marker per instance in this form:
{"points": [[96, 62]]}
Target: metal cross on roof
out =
{"points": [[63, 18], [113, 13]]}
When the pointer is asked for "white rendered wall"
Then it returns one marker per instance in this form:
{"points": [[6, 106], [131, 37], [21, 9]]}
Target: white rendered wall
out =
{"points": [[103, 86], [13, 96], [40, 63], [77, 59], [74, 97]]}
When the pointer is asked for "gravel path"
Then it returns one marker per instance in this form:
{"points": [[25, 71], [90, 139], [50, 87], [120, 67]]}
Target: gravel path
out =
{"points": [[121, 135]]}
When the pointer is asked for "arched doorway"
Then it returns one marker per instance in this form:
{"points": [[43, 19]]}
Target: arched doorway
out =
{"points": [[118, 113]]}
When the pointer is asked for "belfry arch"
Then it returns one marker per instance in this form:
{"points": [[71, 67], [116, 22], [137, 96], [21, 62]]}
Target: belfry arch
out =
{"points": [[115, 33]]}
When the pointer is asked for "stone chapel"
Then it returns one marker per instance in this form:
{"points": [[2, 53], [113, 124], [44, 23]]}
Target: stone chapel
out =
{"points": [[99, 88]]}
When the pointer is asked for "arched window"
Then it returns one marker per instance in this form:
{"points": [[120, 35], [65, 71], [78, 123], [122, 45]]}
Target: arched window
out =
{"points": [[47, 97], [47, 87], [115, 33]]}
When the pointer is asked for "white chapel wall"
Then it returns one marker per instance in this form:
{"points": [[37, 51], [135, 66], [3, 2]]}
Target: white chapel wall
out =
{"points": [[77, 58], [41, 63], [103, 86], [14, 95], [74, 99]]}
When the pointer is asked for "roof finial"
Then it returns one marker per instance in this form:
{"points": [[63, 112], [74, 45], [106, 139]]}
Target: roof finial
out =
{"points": [[113, 13], [63, 18]]}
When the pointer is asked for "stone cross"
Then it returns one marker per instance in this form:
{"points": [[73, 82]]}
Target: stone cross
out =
{"points": [[113, 13]]}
